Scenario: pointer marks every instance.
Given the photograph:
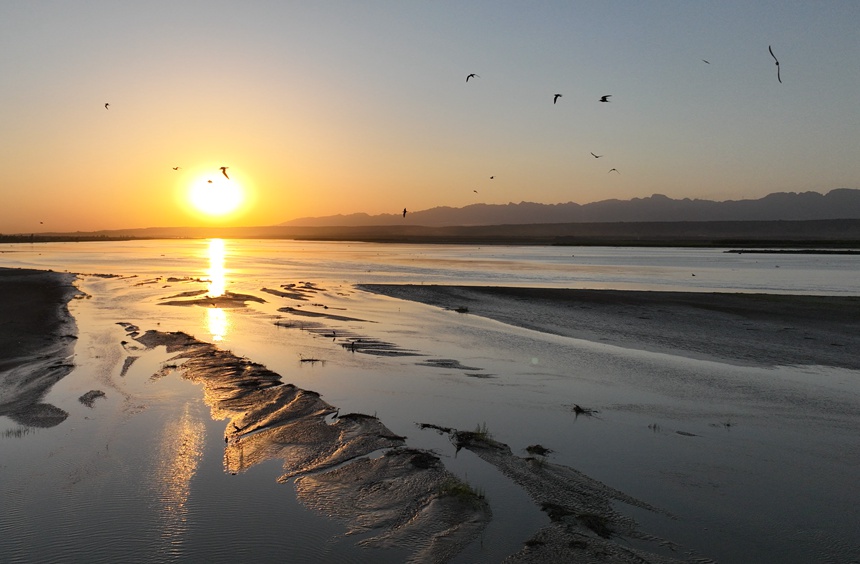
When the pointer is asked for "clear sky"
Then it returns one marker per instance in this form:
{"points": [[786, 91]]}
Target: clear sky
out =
{"points": [[322, 108]]}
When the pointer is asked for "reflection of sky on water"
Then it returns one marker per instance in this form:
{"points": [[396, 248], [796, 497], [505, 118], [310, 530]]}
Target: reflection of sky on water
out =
{"points": [[180, 452]]}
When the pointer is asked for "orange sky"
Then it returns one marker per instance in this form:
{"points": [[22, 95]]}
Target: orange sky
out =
{"points": [[331, 108]]}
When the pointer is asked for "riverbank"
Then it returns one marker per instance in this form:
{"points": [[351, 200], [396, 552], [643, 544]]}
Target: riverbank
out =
{"points": [[748, 329], [37, 335]]}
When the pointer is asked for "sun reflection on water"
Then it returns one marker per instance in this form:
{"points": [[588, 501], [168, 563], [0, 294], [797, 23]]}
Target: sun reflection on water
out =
{"points": [[216, 318], [217, 271], [217, 323], [181, 448]]}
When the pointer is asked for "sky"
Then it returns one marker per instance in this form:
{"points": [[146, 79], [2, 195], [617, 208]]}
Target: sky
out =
{"points": [[322, 108]]}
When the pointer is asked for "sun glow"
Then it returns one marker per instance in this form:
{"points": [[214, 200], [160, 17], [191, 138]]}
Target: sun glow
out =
{"points": [[216, 197]]}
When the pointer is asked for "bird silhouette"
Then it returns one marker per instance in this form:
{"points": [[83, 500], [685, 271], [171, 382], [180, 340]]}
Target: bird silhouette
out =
{"points": [[604, 98], [777, 64], [224, 170], [492, 177], [473, 75], [475, 191], [596, 156], [555, 98], [704, 61], [209, 181], [615, 169], [106, 105], [404, 212], [177, 167]]}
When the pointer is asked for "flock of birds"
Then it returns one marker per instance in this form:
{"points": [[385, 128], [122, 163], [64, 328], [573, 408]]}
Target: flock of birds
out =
{"points": [[555, 97]]}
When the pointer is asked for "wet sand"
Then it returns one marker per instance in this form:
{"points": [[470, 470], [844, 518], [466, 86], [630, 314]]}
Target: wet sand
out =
{"points": [[37, 335], [747, 329]]}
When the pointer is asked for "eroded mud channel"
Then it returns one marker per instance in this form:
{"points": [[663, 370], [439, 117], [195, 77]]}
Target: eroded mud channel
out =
{"points": [[352, 468]]}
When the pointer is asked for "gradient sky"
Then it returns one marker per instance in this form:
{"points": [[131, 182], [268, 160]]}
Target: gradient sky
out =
{"points": [[323, 108]]}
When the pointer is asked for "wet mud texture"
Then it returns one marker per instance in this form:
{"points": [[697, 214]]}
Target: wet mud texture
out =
{"points": [[585, 525], [749, 329], [37, 336], [399, 498]]}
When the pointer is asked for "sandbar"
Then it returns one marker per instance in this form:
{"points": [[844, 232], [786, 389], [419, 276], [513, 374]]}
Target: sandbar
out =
{"points": [[37, 335], [738, 328]]}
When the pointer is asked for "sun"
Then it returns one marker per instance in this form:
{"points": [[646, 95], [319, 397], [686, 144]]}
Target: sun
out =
{"points": [[216, 197]]}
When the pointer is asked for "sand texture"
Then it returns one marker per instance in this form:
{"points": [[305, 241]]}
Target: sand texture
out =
{"points": [[749, 329]]}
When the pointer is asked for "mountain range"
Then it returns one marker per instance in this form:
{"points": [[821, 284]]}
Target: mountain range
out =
{"points": [[842, 203]]}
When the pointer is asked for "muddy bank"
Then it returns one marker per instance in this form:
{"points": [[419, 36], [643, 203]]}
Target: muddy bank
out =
{"points": [[587, 522], [752, 329], [37, 336], [350, 467]]}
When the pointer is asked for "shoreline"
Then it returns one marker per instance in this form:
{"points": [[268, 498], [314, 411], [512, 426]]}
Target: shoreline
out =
{"points": [[37, 335], [747, 329]]}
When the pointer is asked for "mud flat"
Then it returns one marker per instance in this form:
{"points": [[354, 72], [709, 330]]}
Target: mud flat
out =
{"points": [[747, 329], [37, 337], [349, 467], [353, 469]]}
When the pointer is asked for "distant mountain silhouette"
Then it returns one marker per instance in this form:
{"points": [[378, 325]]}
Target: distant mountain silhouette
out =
{"points": [[843, 203]]}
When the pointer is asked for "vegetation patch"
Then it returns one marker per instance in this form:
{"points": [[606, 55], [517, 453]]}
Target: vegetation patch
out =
{"points": [[461, 491]]}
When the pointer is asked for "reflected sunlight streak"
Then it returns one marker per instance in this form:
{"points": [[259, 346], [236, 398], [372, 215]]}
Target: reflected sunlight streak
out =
{"points": [[217, 271], [180, 452], [217, 323]]}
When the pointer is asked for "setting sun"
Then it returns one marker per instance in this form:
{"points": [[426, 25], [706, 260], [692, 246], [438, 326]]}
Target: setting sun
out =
{"points": [[216, 197]]}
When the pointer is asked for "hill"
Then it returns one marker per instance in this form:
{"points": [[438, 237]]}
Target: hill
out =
{"points": [[843, 203]]}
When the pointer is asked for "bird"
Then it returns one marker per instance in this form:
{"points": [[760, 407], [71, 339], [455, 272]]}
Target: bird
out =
{"points": [[492, 177], [555, 98], [604, 98], [615, 169], [177, 167], [404, 212], [209, 181], [596, 156], [777, 63], [224, 170], [106, 105], [704, 61], [473, 75], [475, 191]]}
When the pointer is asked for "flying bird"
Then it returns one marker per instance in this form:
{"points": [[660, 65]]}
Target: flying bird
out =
{"points": [[106, 105], [604, 98], [492, 177], [224, 170], [177, 167], [777, 63], [473, 75], [555, 98], [404, 212], [596, 156], [615, 169], [209, 181], [475, 191], [704, 61]]}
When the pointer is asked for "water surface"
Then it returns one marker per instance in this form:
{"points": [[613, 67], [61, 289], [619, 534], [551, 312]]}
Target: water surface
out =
{"points": [[757, 463]]}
